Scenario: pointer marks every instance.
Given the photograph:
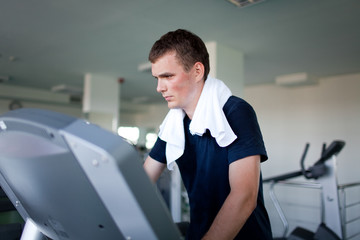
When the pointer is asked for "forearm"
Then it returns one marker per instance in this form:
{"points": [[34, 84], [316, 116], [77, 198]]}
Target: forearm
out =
{"points": [[153, 168], [231, 217], [244, 176]]}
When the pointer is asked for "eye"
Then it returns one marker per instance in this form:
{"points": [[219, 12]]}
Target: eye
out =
{"points": [[168, 76]]}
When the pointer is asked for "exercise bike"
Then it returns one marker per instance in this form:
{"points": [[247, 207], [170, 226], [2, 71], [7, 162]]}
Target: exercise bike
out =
{"points": [[324, 172]]}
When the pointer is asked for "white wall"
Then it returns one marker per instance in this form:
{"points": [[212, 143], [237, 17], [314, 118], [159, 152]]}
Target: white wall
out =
{"points": [[290, 117]]}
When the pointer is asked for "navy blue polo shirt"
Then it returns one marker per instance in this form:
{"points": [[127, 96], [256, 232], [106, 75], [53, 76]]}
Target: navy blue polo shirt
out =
{"points": [[204, 168]]}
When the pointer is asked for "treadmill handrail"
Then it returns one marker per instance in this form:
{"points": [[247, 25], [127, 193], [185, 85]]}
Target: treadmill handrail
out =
{"points": [[335, 147]]}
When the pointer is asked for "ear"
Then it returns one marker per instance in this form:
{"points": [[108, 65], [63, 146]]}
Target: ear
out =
{"points": [[199, 71]]}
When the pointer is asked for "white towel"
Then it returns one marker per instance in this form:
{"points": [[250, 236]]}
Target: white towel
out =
{"points": [[208, 115]]}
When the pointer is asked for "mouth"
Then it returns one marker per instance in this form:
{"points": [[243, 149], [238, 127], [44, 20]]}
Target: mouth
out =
{"points": [[167, 98]]}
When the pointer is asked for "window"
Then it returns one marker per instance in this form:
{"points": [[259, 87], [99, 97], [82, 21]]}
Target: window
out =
{"points": [[129, 133], [150, 140]]}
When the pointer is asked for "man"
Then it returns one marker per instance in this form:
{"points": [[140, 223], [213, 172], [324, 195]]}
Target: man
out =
{"points": [[215, 140]]}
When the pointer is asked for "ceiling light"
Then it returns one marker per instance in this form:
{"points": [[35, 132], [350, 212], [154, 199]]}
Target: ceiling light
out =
{"points": [[71, 90], [144, 67], [295, 79], [244, 3]]}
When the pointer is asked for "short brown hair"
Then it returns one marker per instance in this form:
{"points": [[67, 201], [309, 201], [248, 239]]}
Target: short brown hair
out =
{"points": [[189, 49]]}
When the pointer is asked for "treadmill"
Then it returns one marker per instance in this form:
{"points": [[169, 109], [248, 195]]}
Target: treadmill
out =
{"points": [[72, 180]]}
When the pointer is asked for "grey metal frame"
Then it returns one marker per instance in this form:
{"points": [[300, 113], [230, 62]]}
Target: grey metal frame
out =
{"points": [[70, 179], [332, 215]]}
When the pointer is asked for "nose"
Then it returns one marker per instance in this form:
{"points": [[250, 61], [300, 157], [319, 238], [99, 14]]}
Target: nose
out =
{"points": [[160, 86]]}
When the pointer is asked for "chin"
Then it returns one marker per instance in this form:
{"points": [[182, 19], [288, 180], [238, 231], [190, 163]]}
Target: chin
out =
{"points": [[172, 106]]}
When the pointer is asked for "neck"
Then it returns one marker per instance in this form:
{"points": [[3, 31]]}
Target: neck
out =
{"points": [[191, 109]]}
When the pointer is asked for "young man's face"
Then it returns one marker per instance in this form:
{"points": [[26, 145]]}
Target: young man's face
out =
{"points": [[176, 86]]}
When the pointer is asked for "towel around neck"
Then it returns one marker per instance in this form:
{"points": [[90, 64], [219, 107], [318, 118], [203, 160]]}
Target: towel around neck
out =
{"points": [[208, 115]]}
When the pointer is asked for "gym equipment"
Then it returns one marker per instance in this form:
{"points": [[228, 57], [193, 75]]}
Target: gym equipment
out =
{"points": [[324, 172], [70, 179]]}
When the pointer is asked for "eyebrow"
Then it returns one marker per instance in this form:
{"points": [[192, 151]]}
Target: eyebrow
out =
{"points": [[165, 74]]}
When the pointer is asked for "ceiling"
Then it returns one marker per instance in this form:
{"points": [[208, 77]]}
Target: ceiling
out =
{"points": [[44, 43]]}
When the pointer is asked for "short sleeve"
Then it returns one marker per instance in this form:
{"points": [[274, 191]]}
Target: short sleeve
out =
{"points": [[243, 121], [158, 151]]}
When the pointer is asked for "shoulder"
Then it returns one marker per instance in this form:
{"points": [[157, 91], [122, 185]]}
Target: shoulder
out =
{"points": [[241, 117], [243, 121], [238, 106]]}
